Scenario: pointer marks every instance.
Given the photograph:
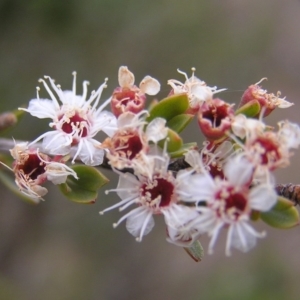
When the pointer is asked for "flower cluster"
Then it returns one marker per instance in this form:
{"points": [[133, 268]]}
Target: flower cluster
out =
{"points": [[223, 185]]}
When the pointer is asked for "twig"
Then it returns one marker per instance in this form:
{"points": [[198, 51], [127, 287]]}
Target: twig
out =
{"points": [[290, 191]]}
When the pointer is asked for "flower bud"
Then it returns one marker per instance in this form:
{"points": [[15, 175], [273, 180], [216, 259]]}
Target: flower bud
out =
{"points": [[126, 99], [214, 118], [130, 98], [268, 101]]}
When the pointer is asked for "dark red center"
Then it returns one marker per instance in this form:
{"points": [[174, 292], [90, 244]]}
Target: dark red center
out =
{"points": [[216, 114], [271, 153], [159, 187], [75, 121], [128, 143], [33, 167], [235, 202], [126, 95]]}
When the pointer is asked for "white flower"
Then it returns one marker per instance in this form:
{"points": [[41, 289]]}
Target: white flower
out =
{"points": [[155, 193], [130, 143], [289, 134], [228, 204], [265, 149], [180, 229], [196, 89], [33, 168], [75, 121], [211, 158], [129, 97], [248, 128]]}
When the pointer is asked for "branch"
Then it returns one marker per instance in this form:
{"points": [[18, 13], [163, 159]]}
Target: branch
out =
{"points": [[290, 191]]}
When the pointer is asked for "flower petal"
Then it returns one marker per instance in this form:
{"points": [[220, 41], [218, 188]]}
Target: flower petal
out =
{"points": [[41, 108], [262, 197], [238, 171], [156, 130], [128, 186], [141, 223], [243, 237], [89, 154], [56, 143], [126, 78], [150, 86]]}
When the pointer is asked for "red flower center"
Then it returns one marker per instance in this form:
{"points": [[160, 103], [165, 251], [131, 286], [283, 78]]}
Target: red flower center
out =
{"points": [[216, 113], [33, 166], [232, 203], [270, 153], [127, 143], [76, 124], [126, 95], [158, 192]]}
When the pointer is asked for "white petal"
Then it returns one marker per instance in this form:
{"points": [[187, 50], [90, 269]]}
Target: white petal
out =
{"points": [[125, 119], [207, 220], [56, 143], [18, 149], [140, 223], [238, 171], [196, 187], [89, 154], [71, 99], [282, 103], [41, 108], [126, 78], [262, 197], [105, 121], [289, 134], [241, 238], [156, 130], [128, 186], [150, 86], [202, 93]]}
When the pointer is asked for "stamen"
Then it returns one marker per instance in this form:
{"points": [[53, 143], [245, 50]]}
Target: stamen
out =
{"points": [[144, 226], [138, 211], [37, 92], [50, 92], [85, 89], [74, 83], [183, 73], [264, 78]]}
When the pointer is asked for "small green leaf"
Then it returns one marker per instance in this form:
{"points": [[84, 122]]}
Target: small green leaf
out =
{"points": [[85, 189], [283, 215], [195, 251], [255, 215], [174, 141], [169, 107], [184, 148], [9, 182], [179, 122], [250, 109]]}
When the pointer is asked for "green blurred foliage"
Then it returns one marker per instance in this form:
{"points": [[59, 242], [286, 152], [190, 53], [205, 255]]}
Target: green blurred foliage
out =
{"points": [[61, 250]]}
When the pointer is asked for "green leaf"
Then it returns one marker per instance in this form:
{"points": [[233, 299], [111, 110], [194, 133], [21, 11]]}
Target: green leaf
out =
{"points": [[283, 215], [255, 215], [179, 122], [195, 251], [9, 182], [174, 141], [85, 189], [184, 148], [169, 107], [251, 109]]}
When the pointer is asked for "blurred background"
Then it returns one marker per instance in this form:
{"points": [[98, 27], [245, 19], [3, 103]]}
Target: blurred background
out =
{"points": [[62, 250]]}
